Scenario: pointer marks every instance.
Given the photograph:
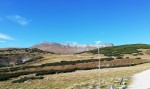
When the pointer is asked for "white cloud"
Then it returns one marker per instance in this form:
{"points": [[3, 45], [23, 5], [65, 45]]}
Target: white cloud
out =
{"points": [[98, 42], [2, 41], [6, 37], [19, 19]]}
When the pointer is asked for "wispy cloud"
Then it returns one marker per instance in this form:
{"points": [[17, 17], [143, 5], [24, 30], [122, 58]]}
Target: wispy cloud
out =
{"points": [[2, 41], [98, 42], [6, 37], [19, 19]]}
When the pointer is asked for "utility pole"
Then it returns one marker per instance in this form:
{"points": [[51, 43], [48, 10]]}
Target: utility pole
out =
{"points": [[99, 69]]}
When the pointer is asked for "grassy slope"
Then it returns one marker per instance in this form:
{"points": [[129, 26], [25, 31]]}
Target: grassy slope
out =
{"points": [[77, 80], [121, 50], [49, 58]]}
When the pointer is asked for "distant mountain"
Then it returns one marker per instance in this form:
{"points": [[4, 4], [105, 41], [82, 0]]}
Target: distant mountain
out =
{"points": [[67, 48]]}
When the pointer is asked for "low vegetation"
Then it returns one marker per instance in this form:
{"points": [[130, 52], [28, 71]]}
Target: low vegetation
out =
{"points": [[121, 50], [83, 79], [61, 63], [7, 76], [12, 51], [75, 62], [22, 80], [73, 66]]}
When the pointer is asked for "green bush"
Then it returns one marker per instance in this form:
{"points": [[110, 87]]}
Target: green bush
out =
{"points": [[106, 59], [22, 80], [119, 57], [45, 72], [68, 62], [7, 76], [135, 54], [138, 58], [75, 62], [4, 77], [121, 50], [140, 54]]}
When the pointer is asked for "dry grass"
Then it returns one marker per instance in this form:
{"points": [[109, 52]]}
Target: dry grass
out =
{"points": [[117, 62], [77, 80], [50, 58], [85, 79], [57, 58]]}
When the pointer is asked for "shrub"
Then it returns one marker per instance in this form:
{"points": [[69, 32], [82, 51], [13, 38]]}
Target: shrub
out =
{"points": [[22, 80], [134, 54], [7, 76], [68, 62], [119, 57], [140, 54], [119, 50], [4, 77], [45, 72], [2, 65], [106, 59], [72, 68], [138, 58]]}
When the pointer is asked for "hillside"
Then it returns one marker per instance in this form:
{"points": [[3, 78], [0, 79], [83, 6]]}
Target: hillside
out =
{"points": [[132, 49], [21, 50], [67, 48], [16, 56]]}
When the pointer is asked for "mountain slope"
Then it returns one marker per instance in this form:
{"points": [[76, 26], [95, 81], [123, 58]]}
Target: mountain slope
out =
{"points": [[67, 48], [121, 50]]}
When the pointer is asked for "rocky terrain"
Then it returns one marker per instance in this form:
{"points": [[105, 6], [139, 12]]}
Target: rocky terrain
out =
{"points": [[16, 56]]}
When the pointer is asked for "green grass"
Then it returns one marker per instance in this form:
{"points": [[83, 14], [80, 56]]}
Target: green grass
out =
{"points": [[121, 50]]}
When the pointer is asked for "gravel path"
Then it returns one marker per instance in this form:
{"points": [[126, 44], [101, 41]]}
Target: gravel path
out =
{"points": [[141, 80]]}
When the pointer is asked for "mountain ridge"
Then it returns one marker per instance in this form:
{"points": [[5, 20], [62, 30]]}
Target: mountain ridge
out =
{"points": [[68, 48]]}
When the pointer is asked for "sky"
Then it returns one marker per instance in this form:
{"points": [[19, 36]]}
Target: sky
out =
{"points": [[24, 23]]}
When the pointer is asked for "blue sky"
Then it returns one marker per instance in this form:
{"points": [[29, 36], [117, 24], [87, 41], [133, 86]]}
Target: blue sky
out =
{"points": [[27, 22]]}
